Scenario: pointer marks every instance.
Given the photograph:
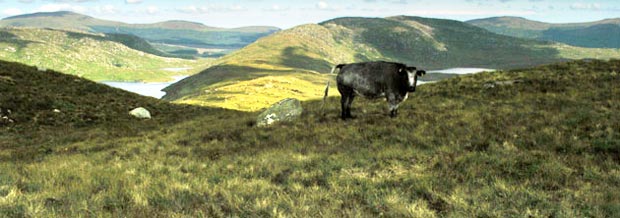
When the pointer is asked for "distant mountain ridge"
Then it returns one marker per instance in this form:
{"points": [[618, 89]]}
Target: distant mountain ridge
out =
{"points": [[597, 34], [294, 62], [173, 32], [99, 57]]}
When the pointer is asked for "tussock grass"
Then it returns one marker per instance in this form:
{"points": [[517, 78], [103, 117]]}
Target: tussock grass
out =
{"points": [[545, 146]]}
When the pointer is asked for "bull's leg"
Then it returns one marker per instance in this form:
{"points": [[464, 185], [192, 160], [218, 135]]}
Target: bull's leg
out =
{"points": [[393, 103], [393, 110], [343, 106], [394, 113], [346, 98], [349, 102]]}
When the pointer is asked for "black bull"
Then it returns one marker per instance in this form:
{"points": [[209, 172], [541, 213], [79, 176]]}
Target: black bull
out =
{"points": [[391, 80]]}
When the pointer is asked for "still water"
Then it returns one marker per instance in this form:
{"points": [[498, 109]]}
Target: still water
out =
{"points": [[154, 89], [146, 89]]}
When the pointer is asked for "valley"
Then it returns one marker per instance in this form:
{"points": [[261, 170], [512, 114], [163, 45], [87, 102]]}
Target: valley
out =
{"points": [[296, 61]]}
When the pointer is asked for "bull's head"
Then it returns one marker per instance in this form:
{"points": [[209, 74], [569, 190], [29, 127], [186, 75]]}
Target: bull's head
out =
{"points": [[412, 77]]}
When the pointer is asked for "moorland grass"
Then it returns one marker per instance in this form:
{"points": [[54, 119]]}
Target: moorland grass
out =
{"points": [[545, 145]]}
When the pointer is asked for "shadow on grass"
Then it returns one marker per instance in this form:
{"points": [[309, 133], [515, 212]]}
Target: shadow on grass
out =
{"points": [[8, 37], [293, 57]]}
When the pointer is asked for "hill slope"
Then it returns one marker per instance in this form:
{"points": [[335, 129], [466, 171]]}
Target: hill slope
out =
{"points": [[599, 34], [541, 142], [97, 57], [278, 62], [28, 98], [169, 32]]}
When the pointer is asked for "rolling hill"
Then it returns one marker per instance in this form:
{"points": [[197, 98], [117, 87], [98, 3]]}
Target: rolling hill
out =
{"points": [[541, 142], [181, 33], [112, 57], [598, 34], [293, 62]]}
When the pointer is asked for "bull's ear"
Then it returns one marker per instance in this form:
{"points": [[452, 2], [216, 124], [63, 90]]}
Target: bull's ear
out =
{"points": [[402, 70], [420, 72]]}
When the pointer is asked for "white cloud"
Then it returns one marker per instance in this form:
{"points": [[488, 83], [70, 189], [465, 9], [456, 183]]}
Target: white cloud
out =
{"points": [[26, 1], [582, 6], [106, 9], [236, 8], [133, 1], [77, 1], [193, 10], [322, 5], [276, 7], [12, 11], [392, 1], [502, 1], [225, 8], [152, 9], [211, 8], [60, 7]]}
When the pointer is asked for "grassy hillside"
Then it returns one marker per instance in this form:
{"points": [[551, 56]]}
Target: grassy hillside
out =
{"points": [[169, 32], [545, 145], [599, 34], [63, 20], [101, 58], [512, 26], [296, 59]]}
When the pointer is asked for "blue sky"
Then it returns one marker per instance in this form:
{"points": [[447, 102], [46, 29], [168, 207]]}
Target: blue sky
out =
{"points": [[289, 13]]}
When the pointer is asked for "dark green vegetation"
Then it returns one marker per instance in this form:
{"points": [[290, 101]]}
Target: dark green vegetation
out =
{"points": [[169, 32], [111, 57], [84, 106], [304, 52], [599, 34], [135, 43], [541, 142]]}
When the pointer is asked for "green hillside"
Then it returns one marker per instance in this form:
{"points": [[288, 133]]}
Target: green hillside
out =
{"points": [[293, 62], [97, 57], [512, 26], [539, 142], [63, 20], [598, 34], [170, 32]]}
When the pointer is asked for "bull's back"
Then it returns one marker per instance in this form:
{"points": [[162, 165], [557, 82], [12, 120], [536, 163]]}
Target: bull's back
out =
{"points": [[367, 79]]}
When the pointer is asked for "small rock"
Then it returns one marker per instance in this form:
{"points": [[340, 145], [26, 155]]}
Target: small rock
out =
{"points": [[141, 113], [42, 69], [286, 110], [7, 79], [56, 111], [493, 84], [489, 85]]}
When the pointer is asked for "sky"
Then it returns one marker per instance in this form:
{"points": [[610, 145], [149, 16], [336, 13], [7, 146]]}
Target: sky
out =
{"points": [[289, 13]]}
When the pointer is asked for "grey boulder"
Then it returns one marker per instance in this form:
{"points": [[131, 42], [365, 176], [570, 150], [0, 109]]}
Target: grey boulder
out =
{"points": [[285, 110]]}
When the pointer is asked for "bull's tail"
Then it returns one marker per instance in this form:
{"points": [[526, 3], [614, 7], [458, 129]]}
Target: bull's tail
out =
{"points": [[339, 66], [325, 98]]}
